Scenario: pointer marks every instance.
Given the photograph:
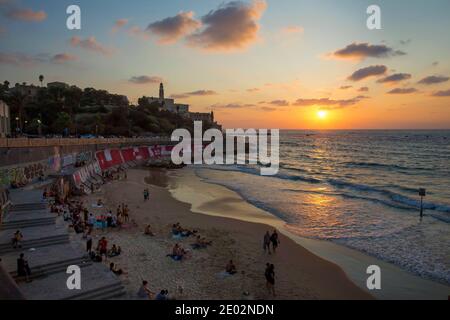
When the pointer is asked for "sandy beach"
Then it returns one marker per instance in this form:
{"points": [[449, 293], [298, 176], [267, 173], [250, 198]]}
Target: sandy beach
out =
{"points": [[299, 273]]}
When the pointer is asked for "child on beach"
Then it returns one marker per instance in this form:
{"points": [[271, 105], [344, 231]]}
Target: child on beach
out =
{"points": [[17, 239]]}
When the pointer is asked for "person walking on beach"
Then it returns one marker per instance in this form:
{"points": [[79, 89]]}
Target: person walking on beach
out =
{"points": [[266, 242], [89, 243], [103, 247], [270, 278], [23, 269], [146, 195], [275, 240]]}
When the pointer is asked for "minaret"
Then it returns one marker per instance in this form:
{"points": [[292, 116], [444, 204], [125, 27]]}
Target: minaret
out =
{"points": [[161, 92]]}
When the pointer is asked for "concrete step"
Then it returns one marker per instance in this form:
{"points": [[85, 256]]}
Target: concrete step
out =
{"points": [[28, 207], [55, 267], [35, 243], [19, 224], [103, 293]]}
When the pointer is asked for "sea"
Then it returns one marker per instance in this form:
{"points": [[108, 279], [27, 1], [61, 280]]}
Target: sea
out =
{"points": [[359, 189]]}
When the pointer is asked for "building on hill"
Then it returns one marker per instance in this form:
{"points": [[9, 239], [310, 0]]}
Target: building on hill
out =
{"points": [[169, 104], [5, 120], [59, 85], [205, 117], [30, 91]]}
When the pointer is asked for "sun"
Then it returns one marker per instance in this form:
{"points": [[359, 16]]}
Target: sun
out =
{"points": [[322, 114]]}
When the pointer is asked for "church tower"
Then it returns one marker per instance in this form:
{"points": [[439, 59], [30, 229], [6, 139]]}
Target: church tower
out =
{"points": [[161, 92]]}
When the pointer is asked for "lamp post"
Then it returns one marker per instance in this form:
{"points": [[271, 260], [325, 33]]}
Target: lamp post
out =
{"points": [[422, 193], [17, 126], [39, 127]]}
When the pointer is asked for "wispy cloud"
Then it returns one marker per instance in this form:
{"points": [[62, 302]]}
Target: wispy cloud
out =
{"points": [[171, 29], [233, 26], [145, 79], [26, 14], [434, 80], [395, 78], [361, 51], [363, 89], [91, 44], [329, 104], [403, 91], [442, 93], [292, 30], [63, 58], [21, 59], [194, 93], [119, 24], [253, 90], [345, 87], [371, 71]]}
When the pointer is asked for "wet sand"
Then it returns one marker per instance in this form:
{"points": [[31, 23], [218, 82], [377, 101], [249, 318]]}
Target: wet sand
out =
{"points": [[299, 273]]}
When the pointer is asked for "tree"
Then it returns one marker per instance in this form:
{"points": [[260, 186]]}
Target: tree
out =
{"points": [[41, 79], [62, 122], [6, 84]]}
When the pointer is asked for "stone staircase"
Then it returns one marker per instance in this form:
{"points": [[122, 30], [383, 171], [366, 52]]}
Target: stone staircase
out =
{"points": [[28, 207], [111, 291], [27, 223], [35, 243], [55, 267]]}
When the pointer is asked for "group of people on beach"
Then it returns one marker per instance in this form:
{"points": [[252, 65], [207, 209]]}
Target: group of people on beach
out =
{"points": [[271, 239]]}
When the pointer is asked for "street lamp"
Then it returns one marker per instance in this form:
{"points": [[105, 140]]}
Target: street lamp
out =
{"points": [[39, 127], [17, 125]]}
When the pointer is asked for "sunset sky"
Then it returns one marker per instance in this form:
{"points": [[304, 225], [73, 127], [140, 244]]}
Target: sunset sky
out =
{"points": [[262, 64]]}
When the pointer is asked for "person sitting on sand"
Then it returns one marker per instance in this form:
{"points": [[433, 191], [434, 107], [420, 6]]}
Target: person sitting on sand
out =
{"points": [[231, 268], [23, 269], [115, 251], [266, 242], [177, 252], [163, 295], [17, 239], [144, 291], [148, 231], [113, 269]]}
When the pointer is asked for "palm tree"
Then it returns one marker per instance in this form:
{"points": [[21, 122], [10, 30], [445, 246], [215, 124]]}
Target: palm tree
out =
{"points": [[41, 79]]}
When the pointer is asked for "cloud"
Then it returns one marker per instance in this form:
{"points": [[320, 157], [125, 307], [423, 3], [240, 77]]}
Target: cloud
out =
{"points": [[329, 104], [233, 26], [361, 51], [90, 44], [292, 30], [26, 14], [443, 93], [279, 103], [368, 72], [136, 31], [405, 42], [402, 91], [394, 78], [345, 87], [194, 93], [268, 109], [145, 79], [119, 24], [230, 106], [363, 89], [253, 90], [62, 58], [20, 59], [434, 80], [171, 29], [435, 63]]}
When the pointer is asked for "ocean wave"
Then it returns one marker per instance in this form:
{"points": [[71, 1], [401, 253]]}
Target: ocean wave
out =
{"points": [[384, 165], [393, 199]]}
